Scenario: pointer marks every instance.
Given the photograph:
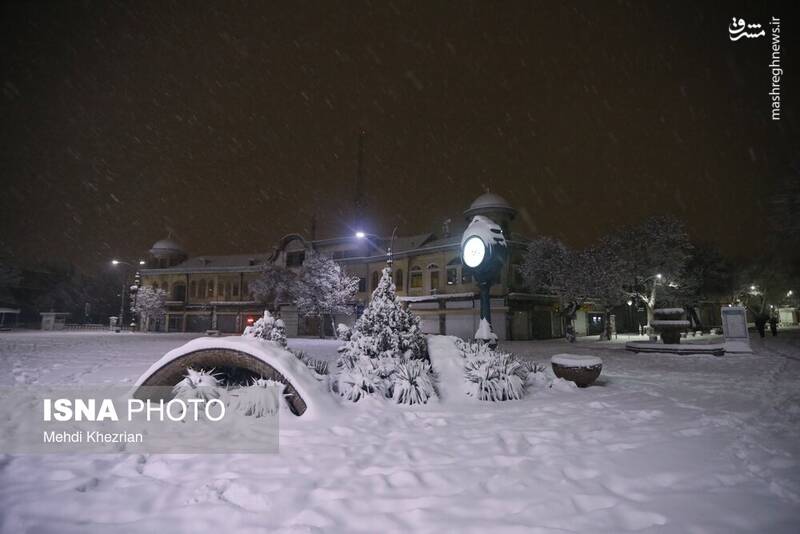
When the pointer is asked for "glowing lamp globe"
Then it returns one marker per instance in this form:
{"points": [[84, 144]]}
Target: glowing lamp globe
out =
{"points": [[474, 251]]}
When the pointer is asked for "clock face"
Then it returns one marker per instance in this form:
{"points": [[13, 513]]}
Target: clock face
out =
{"points": [[474, 251]]}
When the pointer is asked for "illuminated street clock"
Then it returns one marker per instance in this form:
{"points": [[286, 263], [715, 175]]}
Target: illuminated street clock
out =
{"points": [[484, 252]]}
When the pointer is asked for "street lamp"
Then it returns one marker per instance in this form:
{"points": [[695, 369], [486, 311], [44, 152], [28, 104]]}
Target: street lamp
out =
{"points": [[388, 252], [484, 251], [116, 262]]}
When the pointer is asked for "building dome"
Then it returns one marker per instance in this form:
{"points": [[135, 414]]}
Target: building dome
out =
{"points": [[491, 205], [165, 248]]}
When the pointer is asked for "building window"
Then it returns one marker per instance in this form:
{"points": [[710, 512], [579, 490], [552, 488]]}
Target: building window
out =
{"points": [[193, 289], [201, 288], [179, 292], [452, 271], [466, 276], [433, 270], [210, 288], [375, 279], [398, 279], [235, 292], [165, 287], [295, 259], [415, 282], [362, 285]]}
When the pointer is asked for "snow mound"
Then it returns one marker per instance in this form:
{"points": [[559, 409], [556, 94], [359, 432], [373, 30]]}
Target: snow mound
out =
{"points": [[669, 311], [576, 360], [669, 322], [448, 363], [319, 402]]}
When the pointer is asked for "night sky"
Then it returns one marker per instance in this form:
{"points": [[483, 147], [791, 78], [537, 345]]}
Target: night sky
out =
{"points": [[230, 124]]}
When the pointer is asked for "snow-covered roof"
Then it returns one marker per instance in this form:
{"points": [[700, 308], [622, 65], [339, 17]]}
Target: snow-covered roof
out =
{"points": [[489, 202], [166, 245], [440, 296]]}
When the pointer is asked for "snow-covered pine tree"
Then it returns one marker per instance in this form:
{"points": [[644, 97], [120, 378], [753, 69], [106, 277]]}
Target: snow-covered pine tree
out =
{"points": [[386, 336], [150, 305]]}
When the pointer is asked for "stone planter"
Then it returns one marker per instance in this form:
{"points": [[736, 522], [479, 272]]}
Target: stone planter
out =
{"points": [[669, 323], [583, 370]]}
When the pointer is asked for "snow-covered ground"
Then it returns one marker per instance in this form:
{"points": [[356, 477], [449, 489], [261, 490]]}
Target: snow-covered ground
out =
{"points": [[684, 444]]}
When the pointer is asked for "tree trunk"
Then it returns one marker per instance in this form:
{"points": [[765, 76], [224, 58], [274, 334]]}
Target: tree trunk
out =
{"points": [[569, 314], [321, 326], [605, 335]]}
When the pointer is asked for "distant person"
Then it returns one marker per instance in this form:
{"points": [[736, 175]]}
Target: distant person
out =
{"points": [[773, 325], [761, 324]]}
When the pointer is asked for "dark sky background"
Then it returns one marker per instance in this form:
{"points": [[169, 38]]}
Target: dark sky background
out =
{"points": [[230, 124]]}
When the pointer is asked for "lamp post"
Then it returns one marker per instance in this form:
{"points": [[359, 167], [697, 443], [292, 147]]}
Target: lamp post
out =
{"points": [[116, 262], [484, 250], [362, 235]]}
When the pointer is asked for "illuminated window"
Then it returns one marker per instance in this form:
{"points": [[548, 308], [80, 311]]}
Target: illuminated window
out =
{"points": [[452, 271], [415, 281], [433, 269]]}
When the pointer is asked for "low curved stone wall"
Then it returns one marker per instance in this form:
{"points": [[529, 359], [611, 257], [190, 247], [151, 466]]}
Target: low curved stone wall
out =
{"points": [[174, 371]]}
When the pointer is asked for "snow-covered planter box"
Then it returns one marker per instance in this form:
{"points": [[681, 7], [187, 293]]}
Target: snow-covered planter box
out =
{"points": [[669, 324], [583, 370]]}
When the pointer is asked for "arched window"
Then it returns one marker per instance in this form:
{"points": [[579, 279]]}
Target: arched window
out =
{"points": [[202, 288], [193, 289], [452, 271], [398, 279], [415, 280], [375, 279], [165, 287], [179, 292], [433, 270]]}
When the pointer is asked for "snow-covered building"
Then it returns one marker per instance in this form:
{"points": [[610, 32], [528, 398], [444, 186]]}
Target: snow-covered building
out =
{"points": [[212, 292]]}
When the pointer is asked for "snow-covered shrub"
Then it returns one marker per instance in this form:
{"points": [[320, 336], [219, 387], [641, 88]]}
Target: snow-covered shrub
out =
{"points": [[200, 384], [386, 336], [262, 397], [318, 366], [268, 328], [359, 378], [262, 328], [492, 375], [343, 332], [278, 333], [412, 382]]}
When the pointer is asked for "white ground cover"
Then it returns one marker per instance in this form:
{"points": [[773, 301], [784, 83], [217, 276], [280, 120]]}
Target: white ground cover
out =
{"points": [[662, 443]]}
